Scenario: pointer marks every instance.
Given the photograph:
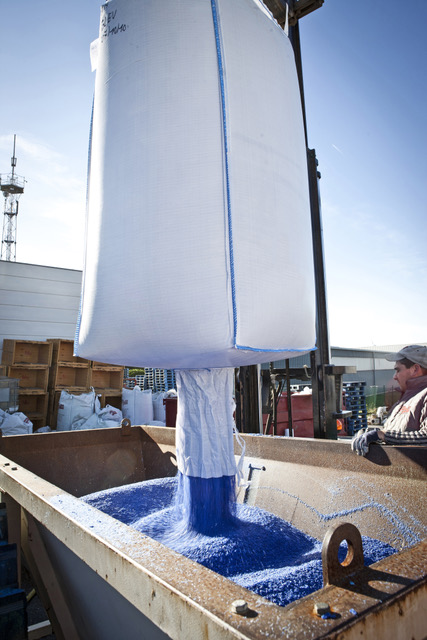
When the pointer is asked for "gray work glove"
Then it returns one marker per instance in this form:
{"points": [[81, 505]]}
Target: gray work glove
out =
{"points": [[362, 439]]}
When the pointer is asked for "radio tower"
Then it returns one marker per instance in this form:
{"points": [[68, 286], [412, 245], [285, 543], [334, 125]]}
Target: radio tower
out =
{"points": [[12, 186]]}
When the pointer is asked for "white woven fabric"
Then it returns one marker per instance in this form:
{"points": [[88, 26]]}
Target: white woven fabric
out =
{"points": [[199, 250], [137, 405], [74, 409], [205, 423], [15, 424]]}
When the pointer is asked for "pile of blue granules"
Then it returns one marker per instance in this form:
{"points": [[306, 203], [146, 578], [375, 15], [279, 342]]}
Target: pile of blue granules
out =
{"points": [[256, 550]]}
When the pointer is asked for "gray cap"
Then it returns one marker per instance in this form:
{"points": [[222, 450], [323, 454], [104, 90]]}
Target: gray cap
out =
{"points": [[414, 352]]}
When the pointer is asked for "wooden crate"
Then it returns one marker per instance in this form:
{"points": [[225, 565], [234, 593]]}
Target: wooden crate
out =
{"points": [[66, 376], [111, 397], [32, 377], [26, 352], [38, 423], [34, 405], [106, 378], [63, 353]]}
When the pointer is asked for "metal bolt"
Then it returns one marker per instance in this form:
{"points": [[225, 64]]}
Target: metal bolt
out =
{"points": [[320, 608], [240, 607]]}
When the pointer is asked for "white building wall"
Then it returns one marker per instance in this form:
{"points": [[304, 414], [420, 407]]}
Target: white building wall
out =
{"points": [[363, 364], [38, 302]]}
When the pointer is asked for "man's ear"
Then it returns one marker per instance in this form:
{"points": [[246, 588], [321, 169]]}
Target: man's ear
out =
{"points": [[417, 371]]}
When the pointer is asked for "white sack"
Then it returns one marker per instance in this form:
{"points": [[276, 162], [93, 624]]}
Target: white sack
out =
{"points": [[198, 174], [15, 424], [159, 409], [137, 405], [103, 419], [205, 423], [74, 410]]}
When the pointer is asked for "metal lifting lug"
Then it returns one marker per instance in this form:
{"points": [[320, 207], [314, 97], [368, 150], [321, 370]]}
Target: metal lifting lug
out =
{"points": [[125, 427], [334, 571]]}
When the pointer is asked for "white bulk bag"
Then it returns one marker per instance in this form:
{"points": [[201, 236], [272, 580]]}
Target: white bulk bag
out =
{"points": [[159, 409], [198, 175], [102, 419], [15, 424], [74, 409], [137, 405]]}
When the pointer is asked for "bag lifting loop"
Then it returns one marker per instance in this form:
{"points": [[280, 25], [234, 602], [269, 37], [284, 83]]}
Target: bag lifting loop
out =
{"points": [[334, 571]]}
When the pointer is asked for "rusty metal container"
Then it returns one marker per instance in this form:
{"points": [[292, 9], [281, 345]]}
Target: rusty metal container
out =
{"points": [[100, 579]]}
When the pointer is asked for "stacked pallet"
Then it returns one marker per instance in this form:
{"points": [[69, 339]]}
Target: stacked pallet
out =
{"points": [[355, 401], [159, 379], [139, 380], [107, 380], [165, 379], [29, 362], [148, 382]]}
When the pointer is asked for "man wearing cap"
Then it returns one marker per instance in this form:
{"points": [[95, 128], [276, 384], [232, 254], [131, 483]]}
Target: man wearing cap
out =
{"points": [[407, 420]]}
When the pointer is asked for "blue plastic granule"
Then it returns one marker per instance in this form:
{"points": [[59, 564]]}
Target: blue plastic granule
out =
{"points": [[253, 548]]}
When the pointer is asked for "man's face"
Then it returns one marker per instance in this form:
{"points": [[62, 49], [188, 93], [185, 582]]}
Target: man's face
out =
{"points": [[402, 374]]}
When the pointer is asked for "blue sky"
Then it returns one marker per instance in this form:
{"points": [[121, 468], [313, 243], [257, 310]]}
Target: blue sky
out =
{"points": [[365, 84]]}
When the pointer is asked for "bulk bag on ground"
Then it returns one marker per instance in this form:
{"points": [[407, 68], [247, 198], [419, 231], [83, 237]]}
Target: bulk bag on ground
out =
{"points": [[102, 419], [137, 405], [199, 250], [15, 424], [75, 409], [159, 409]]}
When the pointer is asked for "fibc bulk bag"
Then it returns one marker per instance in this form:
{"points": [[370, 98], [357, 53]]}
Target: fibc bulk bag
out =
{"points": [[102, 419], [159, 409], [15, 424], [74, 409], [198, 179], [137, 405]]}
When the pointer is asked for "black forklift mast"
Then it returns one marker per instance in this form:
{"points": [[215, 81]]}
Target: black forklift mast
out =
{"points": [[326, 379]]}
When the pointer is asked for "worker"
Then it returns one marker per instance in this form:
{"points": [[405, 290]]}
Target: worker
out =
{"points": [[407, 419]]}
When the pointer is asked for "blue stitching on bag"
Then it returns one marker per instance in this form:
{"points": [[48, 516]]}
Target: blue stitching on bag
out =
{"points": [[227, 175], [281, 350]]}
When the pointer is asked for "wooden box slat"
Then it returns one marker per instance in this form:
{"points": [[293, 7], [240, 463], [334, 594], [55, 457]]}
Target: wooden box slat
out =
{"points": [[32, 377], [66, 375], [26, 352], [63, 352], [107, 378]]}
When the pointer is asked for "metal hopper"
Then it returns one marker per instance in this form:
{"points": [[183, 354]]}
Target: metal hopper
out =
{"points": [[99, 579]]}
